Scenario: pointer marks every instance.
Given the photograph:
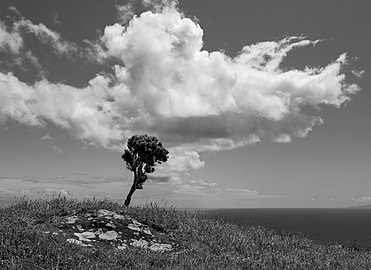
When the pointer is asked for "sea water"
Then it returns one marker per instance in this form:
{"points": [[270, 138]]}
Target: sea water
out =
{"points": [[344, 226]]}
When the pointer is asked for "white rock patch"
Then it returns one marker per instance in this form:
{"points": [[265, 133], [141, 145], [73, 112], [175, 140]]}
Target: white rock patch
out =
{"points": [[122, 247], [89, 234], [71, 220], [139, 243], [74, 241], [161, 247], [134, 227], [110, 235], [104, 212], [85, 236], [146, 231]]}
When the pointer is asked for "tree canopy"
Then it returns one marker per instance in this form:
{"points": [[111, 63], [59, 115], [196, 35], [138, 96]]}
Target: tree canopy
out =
{"points": [[141, 156]]}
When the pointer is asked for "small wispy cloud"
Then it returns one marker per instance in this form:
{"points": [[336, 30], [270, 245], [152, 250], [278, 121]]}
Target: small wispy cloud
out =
{"points": [[364, 199], [57, 150], [56, 19], [47, 137], [219, 192], [358, 73], [159, 179]]}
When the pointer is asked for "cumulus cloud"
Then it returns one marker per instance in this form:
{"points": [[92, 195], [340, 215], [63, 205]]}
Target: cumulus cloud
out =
{"points": [[88, 113], [10, 40], [165, 84], [126, 12], [182, 160]]}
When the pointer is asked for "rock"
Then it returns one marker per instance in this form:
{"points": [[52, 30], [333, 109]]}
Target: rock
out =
{"points": [[74, 241], [98, 232], [139, 243], [122, 247], [111, 225], [146, 231], [71, 220], [104, 212], [133, 227], [110, 235], [117, 216], [160, 247], [85, 235], [96, 229]]}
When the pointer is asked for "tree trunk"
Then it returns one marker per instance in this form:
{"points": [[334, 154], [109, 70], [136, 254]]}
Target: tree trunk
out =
{"points": [[131, 192]]}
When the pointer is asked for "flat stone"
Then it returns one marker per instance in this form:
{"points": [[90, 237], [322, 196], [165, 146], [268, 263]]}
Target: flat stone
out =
{"points": [[122, 247], [110, 235], [71, 220], [161, 247], [140, 243], [77, 242], [146, 231], [98, 232], [111, 225], [134, 227], [137, 223], [82, 238], [88, 234], [104, 212], [117, 216]]}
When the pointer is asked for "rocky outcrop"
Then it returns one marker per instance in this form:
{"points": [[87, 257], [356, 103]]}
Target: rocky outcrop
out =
{"points": [[103, 227]]}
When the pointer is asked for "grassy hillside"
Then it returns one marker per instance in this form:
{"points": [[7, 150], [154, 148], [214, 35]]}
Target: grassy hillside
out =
{"points": [[204, 243]]}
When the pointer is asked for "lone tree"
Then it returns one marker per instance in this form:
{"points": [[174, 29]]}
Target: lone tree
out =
{"points": [[143, 153]]}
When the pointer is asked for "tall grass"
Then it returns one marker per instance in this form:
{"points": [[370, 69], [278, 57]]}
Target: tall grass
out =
{"points": [[205, 243]]}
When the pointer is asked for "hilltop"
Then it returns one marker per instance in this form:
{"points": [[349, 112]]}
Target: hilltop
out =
{"points": [[60, 233]]}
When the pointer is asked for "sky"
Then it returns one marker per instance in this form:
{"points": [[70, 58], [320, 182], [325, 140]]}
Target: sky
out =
{"points": [[260, 103]]}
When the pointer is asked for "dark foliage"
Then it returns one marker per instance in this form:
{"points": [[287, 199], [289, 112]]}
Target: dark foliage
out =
{"points": [[141, 157]]}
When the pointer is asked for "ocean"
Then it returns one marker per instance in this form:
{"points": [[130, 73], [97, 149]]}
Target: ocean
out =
{"points": [[343, 226]]}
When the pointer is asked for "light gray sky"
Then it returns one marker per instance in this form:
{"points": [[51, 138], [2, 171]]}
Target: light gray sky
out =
{"points": [[248, 127]]}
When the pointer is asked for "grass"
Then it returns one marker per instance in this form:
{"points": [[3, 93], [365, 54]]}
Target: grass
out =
{"points": [[207, 243]]}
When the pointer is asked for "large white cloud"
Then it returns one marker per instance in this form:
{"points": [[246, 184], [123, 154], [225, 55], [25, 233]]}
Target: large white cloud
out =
{"points": [[194, 100]]}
